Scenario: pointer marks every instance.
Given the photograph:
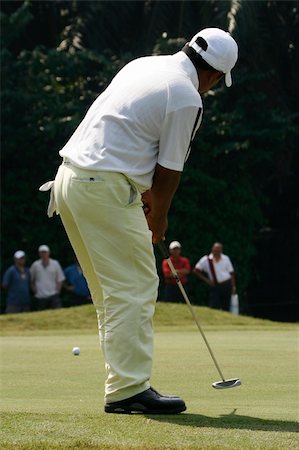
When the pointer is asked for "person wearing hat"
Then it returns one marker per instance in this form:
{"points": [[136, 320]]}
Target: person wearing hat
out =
{"points": [[120, 170], [16, 281], [46, 280], [182, 265]]}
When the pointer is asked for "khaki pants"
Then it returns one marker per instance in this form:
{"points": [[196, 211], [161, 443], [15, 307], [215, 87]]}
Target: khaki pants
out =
{"points": [[104, 220]]}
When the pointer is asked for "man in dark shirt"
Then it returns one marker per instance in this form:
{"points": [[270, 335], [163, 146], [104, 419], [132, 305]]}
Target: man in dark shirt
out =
{"points": [[76, 285], [16, 281]]}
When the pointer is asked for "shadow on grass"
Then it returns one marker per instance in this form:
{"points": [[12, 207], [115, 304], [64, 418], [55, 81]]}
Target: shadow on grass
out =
{"points": [[231, 420]]}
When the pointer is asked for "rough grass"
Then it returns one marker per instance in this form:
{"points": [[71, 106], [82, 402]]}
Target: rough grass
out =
{"points": [[83, 319], [53, 400]]}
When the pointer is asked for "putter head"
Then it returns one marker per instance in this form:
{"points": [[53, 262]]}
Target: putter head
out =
{"points": [[226, 384]]}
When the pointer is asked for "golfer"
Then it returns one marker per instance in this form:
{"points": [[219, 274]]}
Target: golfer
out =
{"points": [[120, 170]]}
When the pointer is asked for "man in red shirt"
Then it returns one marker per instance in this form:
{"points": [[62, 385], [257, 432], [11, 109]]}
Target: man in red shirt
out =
{"points": [[182, 266]]}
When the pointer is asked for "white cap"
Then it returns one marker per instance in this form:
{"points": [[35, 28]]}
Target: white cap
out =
{"points": [[174, 244], [19, 254], [221, 52], [43, 248]]}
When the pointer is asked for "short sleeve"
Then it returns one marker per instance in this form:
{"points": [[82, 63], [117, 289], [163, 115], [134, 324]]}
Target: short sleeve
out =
{"points": [[200, 265], [177, 132]]}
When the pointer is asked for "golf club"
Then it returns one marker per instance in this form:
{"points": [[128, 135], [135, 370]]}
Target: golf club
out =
{"points": [[223, 384]]}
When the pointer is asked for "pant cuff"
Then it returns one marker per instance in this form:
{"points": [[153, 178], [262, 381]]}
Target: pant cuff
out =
{"points": [[128, 392]]}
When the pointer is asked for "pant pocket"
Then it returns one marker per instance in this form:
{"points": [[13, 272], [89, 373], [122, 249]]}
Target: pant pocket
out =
{"points": [[132, 195]]}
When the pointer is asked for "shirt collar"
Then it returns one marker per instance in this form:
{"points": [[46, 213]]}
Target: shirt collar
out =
{"points": [[187, 67]]}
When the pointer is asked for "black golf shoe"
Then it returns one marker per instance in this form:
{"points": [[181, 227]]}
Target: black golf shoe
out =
{"points": [[147, 402]]}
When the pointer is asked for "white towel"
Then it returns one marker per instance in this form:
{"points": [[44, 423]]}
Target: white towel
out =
{"points": [[52, 204]]}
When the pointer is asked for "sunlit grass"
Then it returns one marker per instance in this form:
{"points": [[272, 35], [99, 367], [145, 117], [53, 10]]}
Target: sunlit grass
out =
{"points": [[54, 400]]}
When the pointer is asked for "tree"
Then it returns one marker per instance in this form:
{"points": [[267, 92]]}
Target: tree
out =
{"points": [[45, 93]]}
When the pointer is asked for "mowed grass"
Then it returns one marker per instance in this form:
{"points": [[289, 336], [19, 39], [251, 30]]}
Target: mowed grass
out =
{"points": [[54, 400]]}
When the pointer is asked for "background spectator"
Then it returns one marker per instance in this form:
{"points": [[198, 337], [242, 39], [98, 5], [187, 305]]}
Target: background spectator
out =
{"points": [[182, 265], [217, 271], [75, 283], [16, 281], [46, 280]]}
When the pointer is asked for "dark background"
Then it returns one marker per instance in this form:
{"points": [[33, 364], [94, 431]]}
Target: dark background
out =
{"points": [[240, 184]]}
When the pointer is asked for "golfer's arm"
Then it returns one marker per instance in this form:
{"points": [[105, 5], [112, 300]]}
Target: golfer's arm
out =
{"points": [[165, 184]]}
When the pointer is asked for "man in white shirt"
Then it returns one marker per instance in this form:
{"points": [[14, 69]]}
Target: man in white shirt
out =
{"points": [[46, 280], [217, 271], [128, 153]]}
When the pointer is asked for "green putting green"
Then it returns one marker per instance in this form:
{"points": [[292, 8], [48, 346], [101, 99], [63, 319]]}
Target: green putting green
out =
{"points": [[54, 400]]}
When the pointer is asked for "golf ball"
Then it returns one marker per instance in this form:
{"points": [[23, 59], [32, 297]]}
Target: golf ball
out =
{"points": [[76, 351]]}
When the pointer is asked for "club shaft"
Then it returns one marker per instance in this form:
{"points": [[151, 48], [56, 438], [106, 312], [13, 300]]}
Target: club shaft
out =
{"points": [[181, 287]]}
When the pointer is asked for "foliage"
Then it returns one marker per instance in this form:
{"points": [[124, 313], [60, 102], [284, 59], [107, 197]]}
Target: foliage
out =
{"points": [[45, 93]]}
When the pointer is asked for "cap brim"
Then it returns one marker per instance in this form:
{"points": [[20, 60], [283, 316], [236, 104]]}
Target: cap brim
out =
{"points": [[228, 79]]}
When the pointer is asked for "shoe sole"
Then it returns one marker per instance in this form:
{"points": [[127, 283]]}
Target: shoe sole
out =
{"points": [[128, 410]]}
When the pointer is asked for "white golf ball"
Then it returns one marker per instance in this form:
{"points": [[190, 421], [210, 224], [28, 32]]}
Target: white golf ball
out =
{"points": [[76, 351]]}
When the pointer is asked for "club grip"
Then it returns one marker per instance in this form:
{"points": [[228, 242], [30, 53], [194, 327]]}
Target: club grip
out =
{"points": [[163, 249]]}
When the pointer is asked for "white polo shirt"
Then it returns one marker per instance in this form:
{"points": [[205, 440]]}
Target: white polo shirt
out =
{"points": [[223, 267], [147, 115], [46, 278]]}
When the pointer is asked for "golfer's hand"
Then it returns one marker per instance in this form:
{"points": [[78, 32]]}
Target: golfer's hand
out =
{"points": [[158, 226]]}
